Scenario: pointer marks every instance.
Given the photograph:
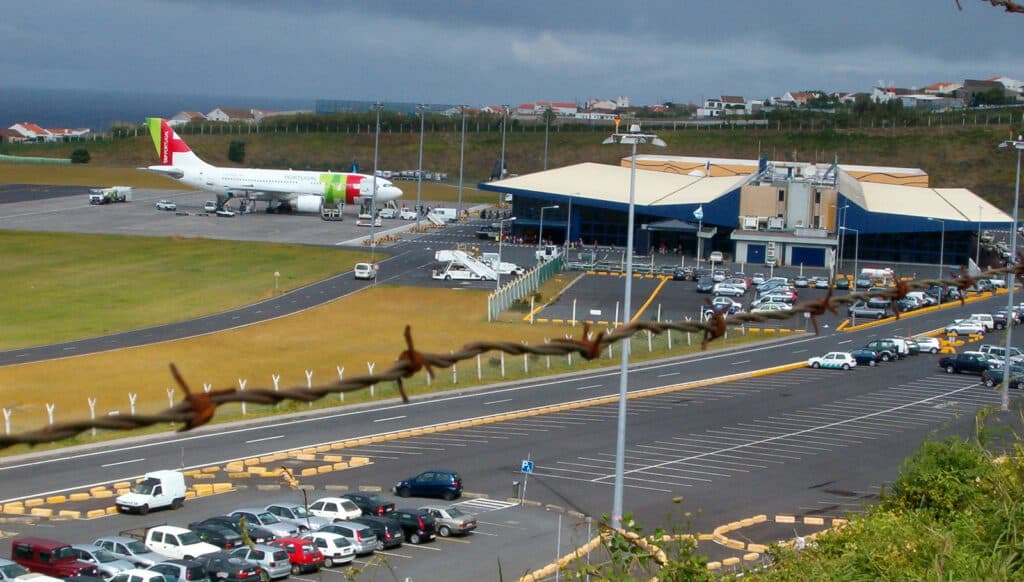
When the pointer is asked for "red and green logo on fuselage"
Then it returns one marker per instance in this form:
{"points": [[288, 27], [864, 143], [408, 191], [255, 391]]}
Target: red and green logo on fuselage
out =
{"points": [[340, 186]]}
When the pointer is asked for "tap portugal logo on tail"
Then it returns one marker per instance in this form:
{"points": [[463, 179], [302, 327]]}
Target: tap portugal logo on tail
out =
{"points": [[166, 140]]}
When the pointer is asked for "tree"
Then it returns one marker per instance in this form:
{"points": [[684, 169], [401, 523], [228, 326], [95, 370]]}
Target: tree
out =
{"points": [[80, 156], [236, 151]]}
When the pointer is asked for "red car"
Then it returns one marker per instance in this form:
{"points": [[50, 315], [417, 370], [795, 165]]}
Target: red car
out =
{"points": [[301, 553]]}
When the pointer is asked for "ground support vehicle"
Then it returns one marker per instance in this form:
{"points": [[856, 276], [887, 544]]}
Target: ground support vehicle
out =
{"points": [[157, 489], [110, 195]]}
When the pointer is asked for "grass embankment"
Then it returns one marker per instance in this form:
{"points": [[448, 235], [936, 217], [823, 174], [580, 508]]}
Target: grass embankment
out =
{"points": [[953, 156], [68, 286]]}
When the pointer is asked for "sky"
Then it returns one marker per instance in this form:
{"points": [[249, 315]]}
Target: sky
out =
{"points": [[482, 52]]}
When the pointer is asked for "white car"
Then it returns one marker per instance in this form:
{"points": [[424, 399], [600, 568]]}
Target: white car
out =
{"points": [[166, 205], [224, 212], [772, 306], [366, 222], [365, 271], [728, 290], [336, 548], [834, 360], [965, 327], [928, 344], [335, 508], [715, 257], [407, 214], [210, 206]]}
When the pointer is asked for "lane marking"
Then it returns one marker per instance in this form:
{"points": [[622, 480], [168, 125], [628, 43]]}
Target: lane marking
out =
{"points": [[590, 386], [270, 438], [122, 463], [498, 401], [799, 351], [389, 418], [845, 342], [667, 374], [740, 362]]}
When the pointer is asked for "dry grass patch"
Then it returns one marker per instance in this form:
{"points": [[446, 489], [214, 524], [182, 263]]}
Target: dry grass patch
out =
{"points": [[84, 175]]}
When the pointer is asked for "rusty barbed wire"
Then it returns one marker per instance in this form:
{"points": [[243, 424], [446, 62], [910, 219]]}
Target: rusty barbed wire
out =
{"points": [[199, 407]]}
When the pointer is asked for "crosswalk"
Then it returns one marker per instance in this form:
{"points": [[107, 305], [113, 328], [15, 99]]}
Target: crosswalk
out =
{"points": [[482, 505]]}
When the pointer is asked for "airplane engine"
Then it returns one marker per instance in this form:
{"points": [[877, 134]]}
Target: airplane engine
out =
{"points": [[308, 203]]}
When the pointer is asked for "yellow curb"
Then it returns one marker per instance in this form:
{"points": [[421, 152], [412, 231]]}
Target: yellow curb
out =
{"points": [[70, 513], [78, 497], [305, 457], [839, 522], [760, 548], [251, 461], [338, 446], [785, 519], [324, 469], [307, 472], [808, 520], [121, 485], [41, 512], [34, 502], [364, 441], [323, 448], [735, 544], [255, 470], [94, 513], [713, 566], [221, 487], [760, 518], [211, 469], [192, 473], [97, 488], [340, 466], [272, 474], [333, 458], [730, 561], [124, 491], [239, 475], [203, 488], [202, 476], [751, 556], [12, 509], [705, 537], [190, 495], [102, 494], [112, 510], [233, 467], [308, 451]]}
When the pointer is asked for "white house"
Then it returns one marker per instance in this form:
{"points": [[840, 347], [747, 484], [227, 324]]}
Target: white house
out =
{"points": [[225, 114], [183, 117]]}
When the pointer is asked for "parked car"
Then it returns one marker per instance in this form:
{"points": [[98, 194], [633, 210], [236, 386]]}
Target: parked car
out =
{"points": [[263, 518], [772, 306], [210, 206], [722, 305], [129, 549], [166, 205], [450, 519], [360, 535], [801, 282], [296, 515], [389, 534], [10, 570], [716, 257], [863, 310], [257, 534], [50, 557], [757, 278], [223, 537], [181, 571], [418, 525], [818, 282], [862, 283], [223, 567], [965, 327], [138, 575], [866, 357], [842, 283], [106, 563], [719, 275], [971, 362], [177, 542], [887, 349], [371, 503], [272, 561], [728, 290], [407, 214], [302, 554], [336, 548], [335, 508], [444, 484], [705, 285], [834, 360], [929, 344], [993, 376]]}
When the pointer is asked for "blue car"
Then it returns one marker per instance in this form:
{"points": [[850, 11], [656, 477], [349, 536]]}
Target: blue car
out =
{"points": [[438, 483], [866, 357]]}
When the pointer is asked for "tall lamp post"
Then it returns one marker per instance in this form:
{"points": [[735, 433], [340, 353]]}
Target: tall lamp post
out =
{"points": [[841, 211], [540, 235], [422, 109], [462, 154], [977, 246], [504, 122], [633, 137], [1017, 144], [856, 249], [378, 106], [547, 124], [942, 244], [501, 238]]}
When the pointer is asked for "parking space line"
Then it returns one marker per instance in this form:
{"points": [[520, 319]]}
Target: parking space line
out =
{"points": [[714, 463], [452, 540], [449, 443], [392, 554], [397, 446], [498, 401], [374, 452], [588, 387], [680, 470], [421, 547], [667, 374], [733, 430], [824, 440], [591, 481], [751, 445]]}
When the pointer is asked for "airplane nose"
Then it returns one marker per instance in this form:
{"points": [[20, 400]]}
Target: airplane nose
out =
{"points": [[389, 193]]}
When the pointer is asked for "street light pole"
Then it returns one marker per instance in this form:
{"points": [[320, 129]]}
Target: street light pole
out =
{"points": [[422, 109], [462, 155], [633, 137], [373, 199], [501, 238], [547, 124], [942, 244], [977, 245], [1018, 145], [540, 235], [501, 170]]}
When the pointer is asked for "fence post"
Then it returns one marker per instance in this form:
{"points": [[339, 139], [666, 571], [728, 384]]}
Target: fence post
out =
{"points": [[92, 413], [309, 383], [49, 411], [526, 362], [479, 369], [241, 387], [370, 365], [341, 378], [7, 420], [455, 369], [207, 387], [502, 354], [132, 397], [170, 398]]}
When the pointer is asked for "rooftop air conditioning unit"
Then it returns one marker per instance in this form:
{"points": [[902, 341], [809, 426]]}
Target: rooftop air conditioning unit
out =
{"points": [[776, 223], [749, 222]]}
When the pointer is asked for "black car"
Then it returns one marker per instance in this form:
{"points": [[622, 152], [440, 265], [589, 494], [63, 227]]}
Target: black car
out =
{"points": [[866, 357], [223, 567], [994, 377], [371, 503], [886, 349], [705, 285], [223, 537], [389, 533], [257, 534], [417, 524]]}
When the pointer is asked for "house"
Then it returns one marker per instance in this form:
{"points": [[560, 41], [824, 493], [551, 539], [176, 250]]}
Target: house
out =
{"points": [[797, 98], [886, 94], [62, 133], [1011, 84], [183, 117], [9, 136], [494, 109], [972, 88], [30, 132], [608, 104], [561, 108], [225, 114], [941, 88]]}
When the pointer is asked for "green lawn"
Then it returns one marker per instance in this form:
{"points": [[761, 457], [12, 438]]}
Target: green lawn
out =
{"points": [[59, 287]]}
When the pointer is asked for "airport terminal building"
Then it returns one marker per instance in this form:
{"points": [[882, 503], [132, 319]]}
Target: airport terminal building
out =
{"points": [[755, 211]]}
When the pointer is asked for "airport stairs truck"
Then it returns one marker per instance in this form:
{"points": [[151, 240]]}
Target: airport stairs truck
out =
{"points": [[462, 265], [156, 490]]}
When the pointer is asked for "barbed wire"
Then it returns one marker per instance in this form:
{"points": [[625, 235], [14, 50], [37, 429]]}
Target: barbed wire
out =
{"points": [[199, 407]]}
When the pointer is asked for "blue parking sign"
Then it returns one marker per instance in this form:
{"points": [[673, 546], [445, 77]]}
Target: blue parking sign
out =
{"points": [[526, 467]]}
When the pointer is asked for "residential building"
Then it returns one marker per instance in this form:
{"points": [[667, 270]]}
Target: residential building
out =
{"points": [[183, 117], [225, 114]]}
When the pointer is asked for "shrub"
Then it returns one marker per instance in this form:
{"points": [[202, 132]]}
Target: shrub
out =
{"points": [[80, 156], [942, 477], [236, 151]]}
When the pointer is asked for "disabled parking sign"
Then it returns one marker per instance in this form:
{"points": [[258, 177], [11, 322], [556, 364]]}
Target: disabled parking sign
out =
{"points": [[526, 467]]}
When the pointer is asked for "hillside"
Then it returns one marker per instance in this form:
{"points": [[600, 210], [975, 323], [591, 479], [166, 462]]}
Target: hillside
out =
{"points": [[952, 156]]}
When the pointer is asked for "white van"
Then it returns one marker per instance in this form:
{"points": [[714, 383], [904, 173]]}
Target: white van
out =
{"points": [[155, 490], [446, 214], [365, 271]]}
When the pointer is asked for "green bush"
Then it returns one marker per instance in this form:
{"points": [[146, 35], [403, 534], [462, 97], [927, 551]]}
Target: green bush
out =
{"points": [[236, 151], [941, 478], [80, 156]]}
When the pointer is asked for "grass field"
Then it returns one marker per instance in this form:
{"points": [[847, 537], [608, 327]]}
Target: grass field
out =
{"points": [[68, 286]]}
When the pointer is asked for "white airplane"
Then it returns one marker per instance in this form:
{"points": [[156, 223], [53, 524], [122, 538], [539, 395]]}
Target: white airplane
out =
{"points": [[302, 191]]}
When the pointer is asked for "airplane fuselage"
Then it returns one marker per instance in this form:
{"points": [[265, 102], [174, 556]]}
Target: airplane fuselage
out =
{"points": [[331, 186]]}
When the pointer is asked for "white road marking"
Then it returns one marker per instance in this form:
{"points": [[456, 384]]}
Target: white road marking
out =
{"points": [[122, 463], [845, 342], [799, 351], [741, 362], [390, 418], [590, 386], [668, 374], [498, 401], [280, 436]]}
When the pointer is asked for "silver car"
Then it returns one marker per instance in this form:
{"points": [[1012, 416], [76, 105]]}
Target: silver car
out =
{"points": [[451, 520], [361, 536], [106, 562], [263, 518], [296, 514], [130, 549], [274, 562]]}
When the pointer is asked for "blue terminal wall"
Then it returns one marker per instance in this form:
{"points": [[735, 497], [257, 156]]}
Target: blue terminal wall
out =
{"points": [[909, 239], [605, 223]]}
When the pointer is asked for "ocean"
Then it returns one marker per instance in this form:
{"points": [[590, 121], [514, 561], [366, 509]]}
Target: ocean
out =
{"points": [[99, 110]]}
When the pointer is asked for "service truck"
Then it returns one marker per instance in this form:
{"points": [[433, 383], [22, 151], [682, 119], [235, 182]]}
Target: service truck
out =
{"points": [[156, 489], [110, 195], [548, 253]]}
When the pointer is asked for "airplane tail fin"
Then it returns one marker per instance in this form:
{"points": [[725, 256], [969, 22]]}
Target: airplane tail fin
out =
{"points": [[171, 149]]}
